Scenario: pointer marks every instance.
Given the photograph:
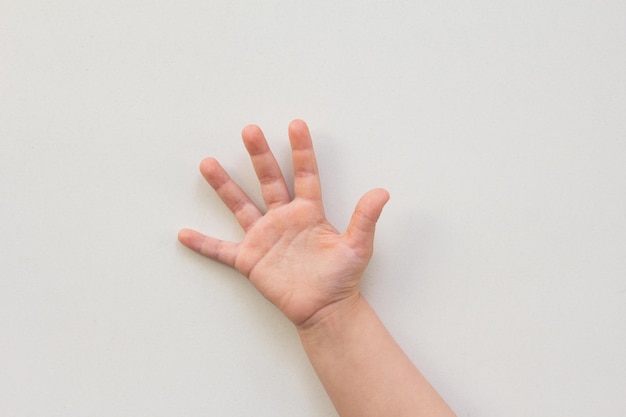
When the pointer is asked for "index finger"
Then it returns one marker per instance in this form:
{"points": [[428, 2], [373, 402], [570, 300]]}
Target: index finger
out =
{"points": [[306, 176]]}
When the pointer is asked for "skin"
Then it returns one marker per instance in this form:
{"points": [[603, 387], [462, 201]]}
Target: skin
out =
{"points": [[311, 272]]}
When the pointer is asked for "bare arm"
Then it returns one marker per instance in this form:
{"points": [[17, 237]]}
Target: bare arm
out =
{"points": [[311, 272], [363, 369]]}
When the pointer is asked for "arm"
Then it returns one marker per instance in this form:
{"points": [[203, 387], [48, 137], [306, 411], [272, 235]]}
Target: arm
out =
{"points": [[311, 272], [363, 369]]}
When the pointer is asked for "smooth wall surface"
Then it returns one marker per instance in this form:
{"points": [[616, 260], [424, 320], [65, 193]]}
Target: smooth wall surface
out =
{"points": [[499, 129]]}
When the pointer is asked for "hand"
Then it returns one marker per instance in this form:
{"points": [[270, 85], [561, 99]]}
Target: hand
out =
{"points": [[291, 254]]}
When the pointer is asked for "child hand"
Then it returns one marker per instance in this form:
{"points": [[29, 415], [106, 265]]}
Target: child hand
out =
{"points": [[291, 254]]}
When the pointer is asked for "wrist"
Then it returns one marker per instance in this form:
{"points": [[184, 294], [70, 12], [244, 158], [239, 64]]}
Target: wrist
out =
{"points": [[331, 317]]}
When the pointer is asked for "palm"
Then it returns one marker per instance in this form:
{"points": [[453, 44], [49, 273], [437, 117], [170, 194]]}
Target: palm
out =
{"points": [[299, 261], [291, 254]]}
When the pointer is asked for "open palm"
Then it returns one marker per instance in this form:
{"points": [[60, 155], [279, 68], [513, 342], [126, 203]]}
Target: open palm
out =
{"points": [[291, 254]]}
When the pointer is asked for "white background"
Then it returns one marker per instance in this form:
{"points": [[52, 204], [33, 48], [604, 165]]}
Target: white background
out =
{"points": [[499, 129]]}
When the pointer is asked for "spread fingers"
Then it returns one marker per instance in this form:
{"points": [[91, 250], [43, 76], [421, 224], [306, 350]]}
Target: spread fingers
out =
{"points": [[273, 186], [231, 194], [306, 176], [222, 251]]}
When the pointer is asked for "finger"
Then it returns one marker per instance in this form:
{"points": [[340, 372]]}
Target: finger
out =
{"points": [[306, 176], [222, 251], [363, 222], [273, 186], [231, 194]]}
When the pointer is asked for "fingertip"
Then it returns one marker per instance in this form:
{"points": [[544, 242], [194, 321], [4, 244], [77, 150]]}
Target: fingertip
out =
{"points": [[383, 194], [298, 126], [253, 139], [377, 197], [299, 135], [183, 236], [191, 239], [209, 166], [250, 130]]}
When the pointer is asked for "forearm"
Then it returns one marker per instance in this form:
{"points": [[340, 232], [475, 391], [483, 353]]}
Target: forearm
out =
{"points": [[363, 369]]}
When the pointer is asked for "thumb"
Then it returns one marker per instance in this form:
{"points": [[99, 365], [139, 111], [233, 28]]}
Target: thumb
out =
{"points": [[366, 214]]}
